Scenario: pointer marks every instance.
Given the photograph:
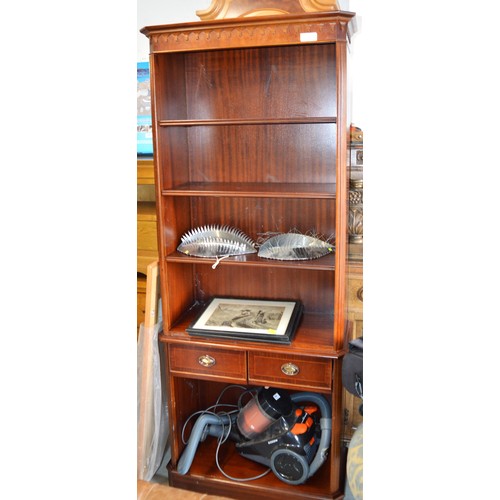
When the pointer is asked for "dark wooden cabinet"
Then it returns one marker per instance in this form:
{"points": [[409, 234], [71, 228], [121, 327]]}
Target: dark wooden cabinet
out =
{"points": [[251, 131]]}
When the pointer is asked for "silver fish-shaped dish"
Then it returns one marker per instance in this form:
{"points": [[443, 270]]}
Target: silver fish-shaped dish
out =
{"points": [[216, 241], [291, 246]]}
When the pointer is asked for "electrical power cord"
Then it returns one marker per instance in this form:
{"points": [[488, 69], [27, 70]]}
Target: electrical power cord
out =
{"points": [[226, 425]]}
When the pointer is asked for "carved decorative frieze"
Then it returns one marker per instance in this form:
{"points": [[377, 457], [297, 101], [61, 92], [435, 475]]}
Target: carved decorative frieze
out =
{"points": [[242, 34]]}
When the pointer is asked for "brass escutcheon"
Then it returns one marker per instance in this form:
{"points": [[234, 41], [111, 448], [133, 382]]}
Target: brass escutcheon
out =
{"points": [[290, 369], [206, 361]]}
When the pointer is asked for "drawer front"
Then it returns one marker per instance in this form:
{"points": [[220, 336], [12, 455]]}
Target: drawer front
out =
{"points": [[312, 373], [212, 363]]}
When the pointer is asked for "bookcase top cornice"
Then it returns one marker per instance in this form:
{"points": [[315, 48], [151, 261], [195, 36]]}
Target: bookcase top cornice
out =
{"points": [[249, 31]]}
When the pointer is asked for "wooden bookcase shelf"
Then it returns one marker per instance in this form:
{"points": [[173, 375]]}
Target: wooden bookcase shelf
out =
{"points": [[326, 263], [251, 131], [254, 121], [203, 469], [254, 190], [311, 338]]}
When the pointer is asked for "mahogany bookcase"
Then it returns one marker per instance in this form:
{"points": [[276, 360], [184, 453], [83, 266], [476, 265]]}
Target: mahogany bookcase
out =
{"points": [[250, 121]]}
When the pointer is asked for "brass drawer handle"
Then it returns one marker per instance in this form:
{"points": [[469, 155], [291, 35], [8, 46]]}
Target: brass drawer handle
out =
{"points": [[290, 369], [206, 361]]}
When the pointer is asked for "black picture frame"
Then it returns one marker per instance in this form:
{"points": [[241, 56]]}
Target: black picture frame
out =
{"points": [[255, 320]]}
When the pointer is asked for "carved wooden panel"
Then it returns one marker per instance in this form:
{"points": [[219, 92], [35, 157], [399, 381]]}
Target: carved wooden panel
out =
{"points": [[222, 9], [234, 34]]}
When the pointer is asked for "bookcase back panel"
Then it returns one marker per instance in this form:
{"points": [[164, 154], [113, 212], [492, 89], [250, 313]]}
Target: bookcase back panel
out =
{"points": [[263, 153], [291, 153], [265, 82], [313, 288], [256, 216]]}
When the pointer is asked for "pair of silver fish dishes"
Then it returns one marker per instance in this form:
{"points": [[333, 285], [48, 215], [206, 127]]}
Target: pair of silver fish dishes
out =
{"points": [[224, 241]]}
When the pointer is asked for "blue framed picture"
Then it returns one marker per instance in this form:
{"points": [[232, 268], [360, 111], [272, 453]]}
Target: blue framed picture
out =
{"points": [[144, 124]]}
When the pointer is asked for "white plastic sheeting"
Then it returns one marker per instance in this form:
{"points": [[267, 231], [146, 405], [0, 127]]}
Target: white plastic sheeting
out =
{"points": [[152, 410]]}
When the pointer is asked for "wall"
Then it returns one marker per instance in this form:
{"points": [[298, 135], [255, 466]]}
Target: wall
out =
{"points": [[152, 12]]}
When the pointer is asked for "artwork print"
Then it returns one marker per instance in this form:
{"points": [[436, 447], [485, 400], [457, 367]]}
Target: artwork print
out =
{"points": [[246, 316]]}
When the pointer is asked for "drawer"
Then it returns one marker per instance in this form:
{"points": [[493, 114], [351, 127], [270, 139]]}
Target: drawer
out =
{"points": [[306, 372], [211, 363]]}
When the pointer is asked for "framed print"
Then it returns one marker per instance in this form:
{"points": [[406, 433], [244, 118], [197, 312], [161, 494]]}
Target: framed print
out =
{"points": [[254, 320]]}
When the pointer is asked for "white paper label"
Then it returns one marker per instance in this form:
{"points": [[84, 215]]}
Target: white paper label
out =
{"points": [[309, 37]]}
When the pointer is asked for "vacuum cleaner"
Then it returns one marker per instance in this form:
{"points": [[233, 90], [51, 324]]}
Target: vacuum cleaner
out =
{"points": [[288, 433]]}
